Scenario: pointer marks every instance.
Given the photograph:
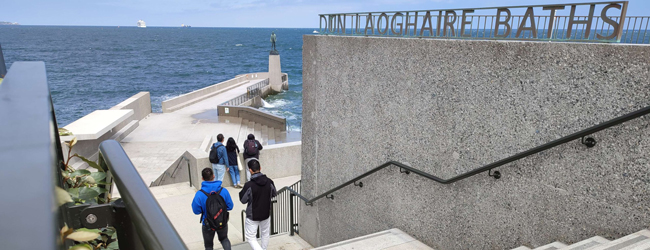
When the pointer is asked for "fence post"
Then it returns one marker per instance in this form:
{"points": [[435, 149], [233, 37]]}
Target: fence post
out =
{"points": [[291, 213]]}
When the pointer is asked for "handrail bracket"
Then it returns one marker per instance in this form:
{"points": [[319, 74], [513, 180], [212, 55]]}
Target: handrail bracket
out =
{"points": [[589, 142], [496, 174]]}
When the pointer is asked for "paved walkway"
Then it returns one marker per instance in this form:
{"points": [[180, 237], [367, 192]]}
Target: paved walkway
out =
{"points": [[162, 137], [176, 200]]}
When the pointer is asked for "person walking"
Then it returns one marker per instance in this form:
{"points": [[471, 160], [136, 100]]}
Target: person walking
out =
{"points": [[233, 151], [252, 149], [219, 158], [257, 193], [201, 203]]}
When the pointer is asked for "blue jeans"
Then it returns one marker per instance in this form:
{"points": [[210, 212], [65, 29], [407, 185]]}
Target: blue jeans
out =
{"points": [[234, 174], [219, 171]]}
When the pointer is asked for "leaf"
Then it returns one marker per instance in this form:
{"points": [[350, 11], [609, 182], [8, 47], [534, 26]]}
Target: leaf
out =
{"points": [[65, 231], [80, 172], [89, 179], [73, 142], [99, 190], [113, 246], [62, 196], [90, 163], [83, 236], [89, 230], [98, 176], [64, 132], [81, 247], [86, 193]]}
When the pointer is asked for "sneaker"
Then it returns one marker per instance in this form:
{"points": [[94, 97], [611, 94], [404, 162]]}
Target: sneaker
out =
{"points": [[239, 186]]}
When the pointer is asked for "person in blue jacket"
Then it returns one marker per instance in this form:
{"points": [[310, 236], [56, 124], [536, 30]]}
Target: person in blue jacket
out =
{"points": [[209, 185], [220, 168]]}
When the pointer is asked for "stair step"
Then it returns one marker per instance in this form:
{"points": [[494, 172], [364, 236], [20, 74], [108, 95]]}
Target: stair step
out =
{"points": [[243, 133], [271, 136], [586, 244], [522, 248], [251, 128], [281, 137], [258, 131], [632, 241], [265, 135], [552, 246]]}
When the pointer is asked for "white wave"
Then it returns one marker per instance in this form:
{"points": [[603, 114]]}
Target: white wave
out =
{"points": [[239, 45], [266, 104], [278, 103]]}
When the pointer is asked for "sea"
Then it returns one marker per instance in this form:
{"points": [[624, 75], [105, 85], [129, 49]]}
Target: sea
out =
{"points": [[91, 68]]}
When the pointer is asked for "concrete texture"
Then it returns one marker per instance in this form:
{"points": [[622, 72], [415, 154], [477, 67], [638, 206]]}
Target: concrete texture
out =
{"points": [[275, 73], [97, 123], [140, 103], [254, 115], [449, 106], [190, 98], [393, 239]]}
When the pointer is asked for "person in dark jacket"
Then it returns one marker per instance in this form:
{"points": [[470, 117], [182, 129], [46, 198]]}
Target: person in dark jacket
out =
{"points": [[210, 185], [257, 193], [248, 156], [221, 167], [233, 150]]}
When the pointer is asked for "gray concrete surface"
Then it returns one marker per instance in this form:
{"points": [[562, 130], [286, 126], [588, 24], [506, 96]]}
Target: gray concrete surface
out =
{"points": [[275, 73], [449, 106]]}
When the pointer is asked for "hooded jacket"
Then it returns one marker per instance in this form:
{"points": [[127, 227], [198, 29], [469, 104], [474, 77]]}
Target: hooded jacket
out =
{"points": [[198, 204], [251, 139], [258, 193]]}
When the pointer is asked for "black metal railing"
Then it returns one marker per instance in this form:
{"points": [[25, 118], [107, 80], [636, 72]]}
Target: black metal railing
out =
{"points": [[30, 152], [406, 169], [285, 212], [251, 92]]}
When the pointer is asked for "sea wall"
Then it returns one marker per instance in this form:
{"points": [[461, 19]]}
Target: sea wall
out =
{"points": [[185, 100], [449, 106]]}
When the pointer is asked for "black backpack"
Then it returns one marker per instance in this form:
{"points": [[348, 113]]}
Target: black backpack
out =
{"points": [[216, 212], [250, 148], [214, 158]]}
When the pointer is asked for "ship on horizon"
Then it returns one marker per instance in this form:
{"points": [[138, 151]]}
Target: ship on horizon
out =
{"points": [[141, 24]]}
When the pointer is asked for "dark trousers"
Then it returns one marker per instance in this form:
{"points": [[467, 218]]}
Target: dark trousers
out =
{"points": [[208, 237]]}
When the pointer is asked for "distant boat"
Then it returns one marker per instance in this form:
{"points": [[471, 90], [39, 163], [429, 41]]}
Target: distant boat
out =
{"points": [[238, 45], [185, 26], [315, 32], [141, 24]]}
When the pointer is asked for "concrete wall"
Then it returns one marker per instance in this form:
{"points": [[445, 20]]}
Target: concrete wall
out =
{"points": [[185, 100], [279, 160], [139, 103], [449, 106]]}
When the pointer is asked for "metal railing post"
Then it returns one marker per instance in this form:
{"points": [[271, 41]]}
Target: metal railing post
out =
{"points": [[291, 214]]}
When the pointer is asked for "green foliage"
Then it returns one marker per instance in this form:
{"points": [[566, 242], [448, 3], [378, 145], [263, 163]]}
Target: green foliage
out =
{"points": [[84, 187]]}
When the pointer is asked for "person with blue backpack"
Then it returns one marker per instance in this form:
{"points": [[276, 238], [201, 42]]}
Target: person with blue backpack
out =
{"points": [[219, 158], [213, 202]]}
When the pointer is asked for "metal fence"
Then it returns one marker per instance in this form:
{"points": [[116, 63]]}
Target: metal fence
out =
{"points": [[285, 213], [251, 92]]}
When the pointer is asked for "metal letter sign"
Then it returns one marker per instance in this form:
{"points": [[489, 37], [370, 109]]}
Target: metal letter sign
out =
{"points": [[594, 22]]}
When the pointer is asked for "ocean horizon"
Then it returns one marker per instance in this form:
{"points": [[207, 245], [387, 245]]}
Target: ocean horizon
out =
{"points": [[96, 67]]}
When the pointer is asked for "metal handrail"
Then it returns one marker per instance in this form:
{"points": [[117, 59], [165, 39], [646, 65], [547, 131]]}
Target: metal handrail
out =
{"points": [[152, 225], [488, 167]]}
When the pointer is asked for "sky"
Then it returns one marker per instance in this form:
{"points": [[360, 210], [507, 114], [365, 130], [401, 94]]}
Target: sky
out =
{"points": [[232, 13]]}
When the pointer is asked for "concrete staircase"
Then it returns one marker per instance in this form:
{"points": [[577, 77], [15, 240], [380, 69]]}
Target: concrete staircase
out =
{"points": [[264, 134], [636, 241]]}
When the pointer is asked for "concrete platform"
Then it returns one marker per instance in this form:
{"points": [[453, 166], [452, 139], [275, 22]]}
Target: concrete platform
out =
{"points": [[162, 137], [176, 200]]}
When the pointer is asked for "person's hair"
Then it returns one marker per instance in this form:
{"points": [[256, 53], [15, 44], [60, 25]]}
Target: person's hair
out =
{"points": [[231, 145], [207, 174], [220, 137], [254, 165]]}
